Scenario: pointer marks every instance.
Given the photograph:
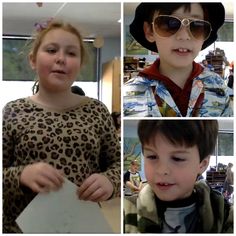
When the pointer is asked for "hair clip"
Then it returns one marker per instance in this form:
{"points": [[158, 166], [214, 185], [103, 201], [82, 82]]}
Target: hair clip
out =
{"points": [[40, 26]]}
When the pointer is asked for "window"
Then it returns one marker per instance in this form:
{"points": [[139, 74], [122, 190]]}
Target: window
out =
{"points": [[16, 66], [224, 151], [225, 144], [18, 77], [15, 63], [225, 33]]}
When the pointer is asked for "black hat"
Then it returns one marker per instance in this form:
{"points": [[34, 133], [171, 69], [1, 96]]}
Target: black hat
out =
{"points": [[216, 15]]}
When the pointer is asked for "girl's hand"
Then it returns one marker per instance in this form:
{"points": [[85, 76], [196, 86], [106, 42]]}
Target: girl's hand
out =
{"points": [[41, 177], [96, 188]]}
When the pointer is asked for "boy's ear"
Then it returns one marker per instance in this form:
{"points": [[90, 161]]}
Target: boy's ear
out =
{"points": [[32, 61], [204, 164], [149, 34]]}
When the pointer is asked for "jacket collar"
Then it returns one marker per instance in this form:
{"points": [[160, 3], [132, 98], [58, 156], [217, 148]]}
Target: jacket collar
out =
{"points": [[209, 203]]}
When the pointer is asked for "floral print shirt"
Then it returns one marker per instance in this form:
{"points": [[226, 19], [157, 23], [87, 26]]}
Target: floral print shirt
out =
{"points": [[148, 97]]}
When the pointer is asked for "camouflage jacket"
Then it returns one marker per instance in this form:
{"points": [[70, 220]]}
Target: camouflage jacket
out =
{"points": [[215, 215]]}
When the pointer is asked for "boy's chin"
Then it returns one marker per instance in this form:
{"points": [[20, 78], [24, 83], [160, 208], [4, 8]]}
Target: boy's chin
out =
{"points": [[167, 199]]}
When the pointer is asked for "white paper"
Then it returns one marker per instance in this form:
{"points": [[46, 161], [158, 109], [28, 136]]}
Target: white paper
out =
{"points": [[62, 212]]}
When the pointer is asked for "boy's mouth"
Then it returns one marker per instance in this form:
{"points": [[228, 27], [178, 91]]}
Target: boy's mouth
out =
{"points": [[164, 186], [181, 50]]}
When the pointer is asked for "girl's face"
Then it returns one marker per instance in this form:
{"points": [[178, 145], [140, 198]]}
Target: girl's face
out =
{"points": [[58, 60], [179, 49], [172, 170]]}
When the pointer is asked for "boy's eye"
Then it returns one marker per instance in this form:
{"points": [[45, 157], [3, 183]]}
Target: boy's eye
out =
{"points": [[72, 54], [178, 159], [151, 157]]}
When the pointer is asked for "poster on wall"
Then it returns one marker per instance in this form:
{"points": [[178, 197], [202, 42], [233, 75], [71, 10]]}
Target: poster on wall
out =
{"points": [[132, 47], [132, 151]]}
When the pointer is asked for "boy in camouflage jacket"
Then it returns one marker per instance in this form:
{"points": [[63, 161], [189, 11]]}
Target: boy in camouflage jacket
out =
{"points": [[175, 153]]}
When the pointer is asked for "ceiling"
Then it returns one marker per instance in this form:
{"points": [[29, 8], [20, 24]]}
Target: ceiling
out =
{"points": [[92, 19], [129, 9]]}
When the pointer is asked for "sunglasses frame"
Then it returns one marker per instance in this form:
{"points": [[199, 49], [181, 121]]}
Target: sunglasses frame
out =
{"points": [[183, 22]]}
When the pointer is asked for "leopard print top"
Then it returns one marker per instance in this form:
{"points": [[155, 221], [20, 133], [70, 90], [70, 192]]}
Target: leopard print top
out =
{"points": [[80, 141]]}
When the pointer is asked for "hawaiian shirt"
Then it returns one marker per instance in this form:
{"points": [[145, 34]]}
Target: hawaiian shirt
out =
{"points": [[145, 97]]}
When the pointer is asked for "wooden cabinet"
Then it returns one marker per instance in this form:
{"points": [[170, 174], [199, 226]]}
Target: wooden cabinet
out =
{"points": [[111, 85], [217, 61], [130, 66], [215, 178]]}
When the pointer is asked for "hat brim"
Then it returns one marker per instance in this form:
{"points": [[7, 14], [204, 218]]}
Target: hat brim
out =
{"points": [[216, 14]]}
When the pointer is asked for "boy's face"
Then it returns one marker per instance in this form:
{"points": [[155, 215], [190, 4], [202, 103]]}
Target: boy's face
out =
{"points": [[134, 168], [179, 49], [172, 170]]}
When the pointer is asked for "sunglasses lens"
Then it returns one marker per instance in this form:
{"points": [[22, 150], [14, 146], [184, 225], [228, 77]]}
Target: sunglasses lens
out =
{"points": [[166, 26], [200, 29]]}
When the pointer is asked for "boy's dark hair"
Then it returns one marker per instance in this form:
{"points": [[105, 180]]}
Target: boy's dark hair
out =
{"points": [[202, 133], [164, 10]]}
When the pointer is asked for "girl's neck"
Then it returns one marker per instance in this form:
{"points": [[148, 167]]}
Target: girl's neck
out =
{"points": [[56, 100], [178, 75]]}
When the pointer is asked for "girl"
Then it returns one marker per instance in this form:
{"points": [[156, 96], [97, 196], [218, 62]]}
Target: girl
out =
{"points": [[56, 134]]}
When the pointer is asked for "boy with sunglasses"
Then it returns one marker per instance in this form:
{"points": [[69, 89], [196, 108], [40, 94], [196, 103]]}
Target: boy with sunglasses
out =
{"points": [[175, 153], [174, 85]]}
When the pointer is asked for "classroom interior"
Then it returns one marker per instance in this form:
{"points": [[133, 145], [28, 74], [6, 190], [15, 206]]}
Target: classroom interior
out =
{"points": [[114, 59], [99, 79]]}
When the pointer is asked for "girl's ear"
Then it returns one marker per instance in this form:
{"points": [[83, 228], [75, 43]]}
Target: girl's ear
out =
{"points": [[149, 34], [204, 164], [32, 61]]}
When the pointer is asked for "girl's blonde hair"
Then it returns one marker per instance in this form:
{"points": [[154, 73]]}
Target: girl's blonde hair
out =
{"points": [[40, 34]]}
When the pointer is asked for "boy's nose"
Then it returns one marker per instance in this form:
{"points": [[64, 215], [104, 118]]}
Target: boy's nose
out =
{"points": [[183, 33], [163, 169]]}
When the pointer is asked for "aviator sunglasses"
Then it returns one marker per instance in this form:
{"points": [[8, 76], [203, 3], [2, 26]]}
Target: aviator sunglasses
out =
{"points": [[165, 26]]}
